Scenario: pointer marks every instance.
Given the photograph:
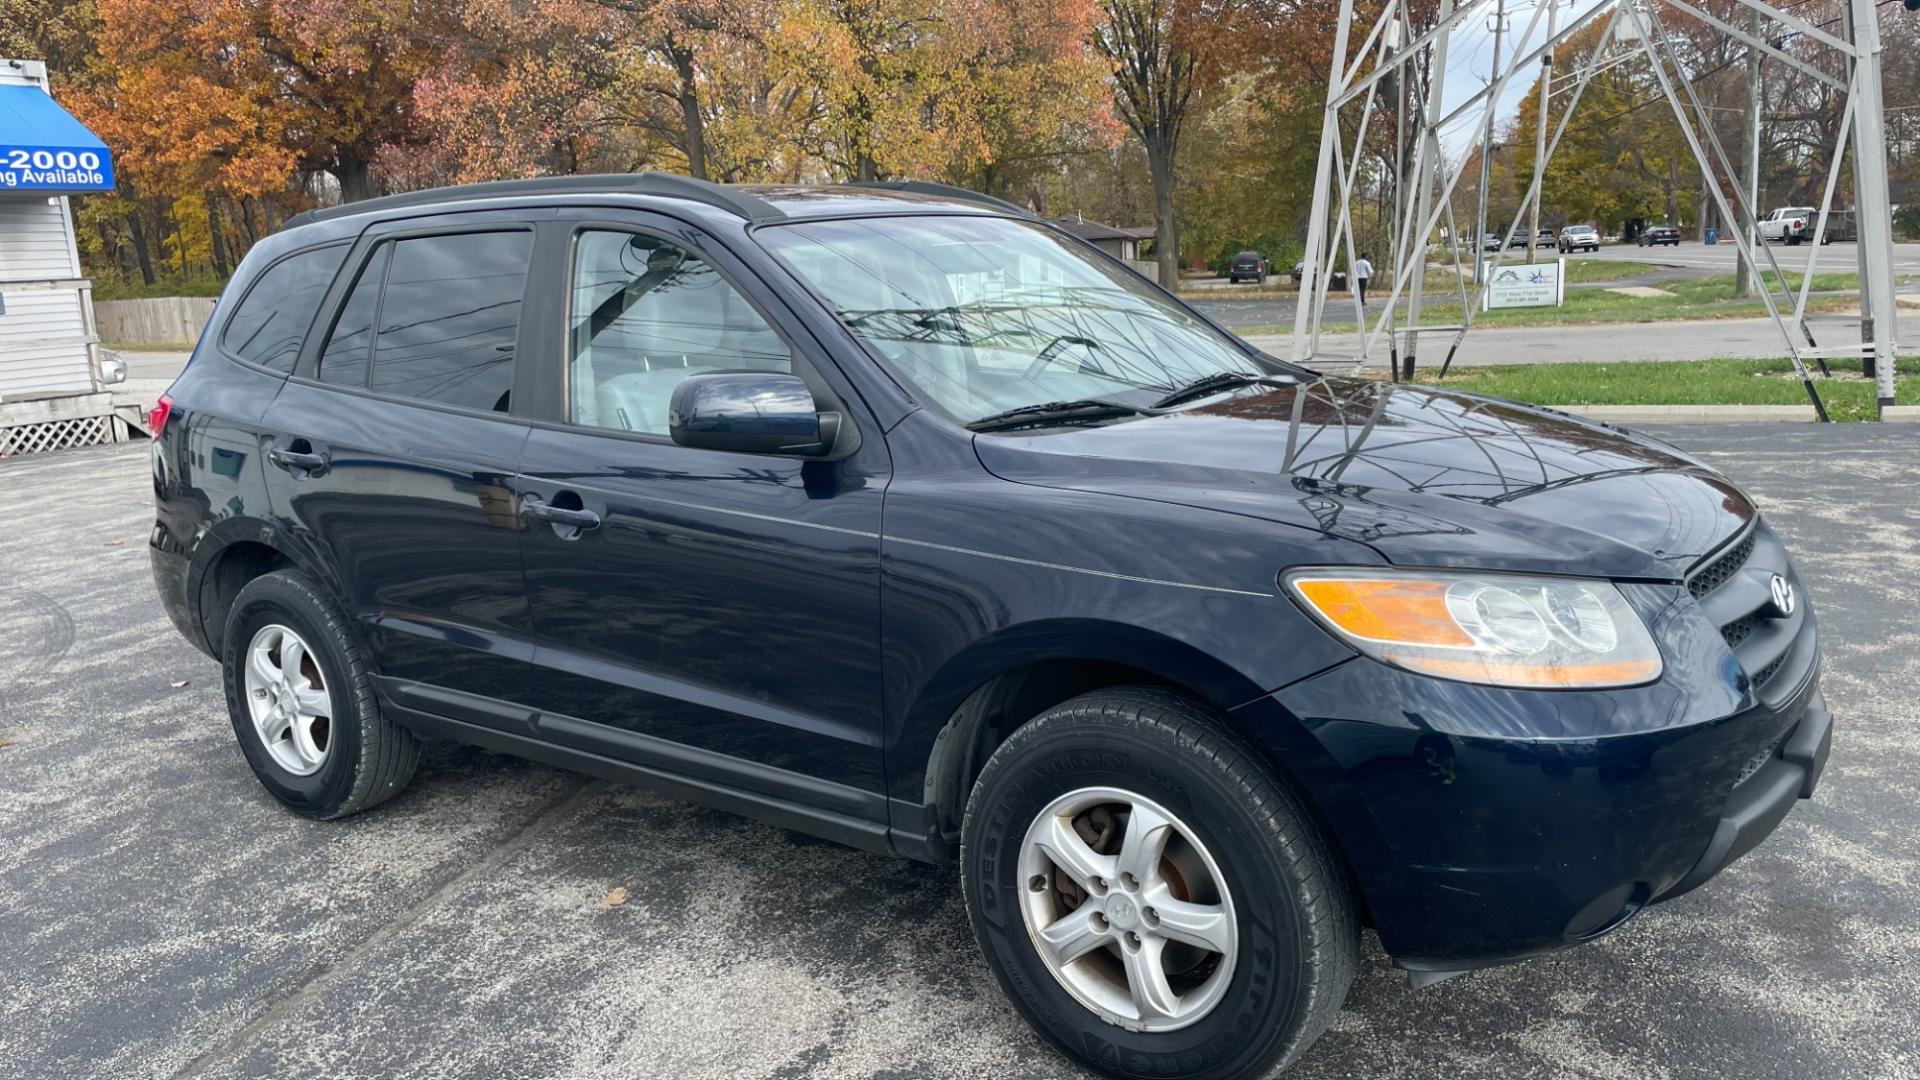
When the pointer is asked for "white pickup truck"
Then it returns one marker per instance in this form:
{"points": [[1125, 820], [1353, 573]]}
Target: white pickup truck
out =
{"points": [[1791, 225]]}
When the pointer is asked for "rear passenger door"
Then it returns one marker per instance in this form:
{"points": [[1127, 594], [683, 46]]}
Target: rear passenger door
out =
{"points": [[721, 617], [392, 447]]}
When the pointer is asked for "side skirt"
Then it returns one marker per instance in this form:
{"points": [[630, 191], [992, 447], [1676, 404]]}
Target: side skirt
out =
{"points": [[785, 799]]}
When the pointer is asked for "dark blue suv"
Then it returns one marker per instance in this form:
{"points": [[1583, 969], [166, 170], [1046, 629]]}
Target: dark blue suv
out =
{"points": [[895, 516]]}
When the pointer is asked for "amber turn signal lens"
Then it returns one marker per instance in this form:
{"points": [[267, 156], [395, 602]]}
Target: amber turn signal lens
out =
{"points": [[1408, 611]]}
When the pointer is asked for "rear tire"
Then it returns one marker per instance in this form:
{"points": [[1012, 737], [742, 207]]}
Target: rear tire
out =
{"points": [[1243, 857], [307, 720]]}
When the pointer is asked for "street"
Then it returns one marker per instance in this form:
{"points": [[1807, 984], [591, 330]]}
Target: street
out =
{"points": [[161, 916], [1693, 340], [1217, 300], [1838, 258]]}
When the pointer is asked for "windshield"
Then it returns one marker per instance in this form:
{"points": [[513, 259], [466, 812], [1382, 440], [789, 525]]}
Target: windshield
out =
{"points": [[981, 315]]}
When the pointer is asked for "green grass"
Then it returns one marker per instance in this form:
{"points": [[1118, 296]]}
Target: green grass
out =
{"points": [[1579, 271], [1847, 395], [1693, 298]]}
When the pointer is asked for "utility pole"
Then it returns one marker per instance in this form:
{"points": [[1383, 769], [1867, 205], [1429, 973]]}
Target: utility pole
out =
{"points": [[1873, 214], [1426, 164], [1499, 27], [1540, 136], [1750, 183]]}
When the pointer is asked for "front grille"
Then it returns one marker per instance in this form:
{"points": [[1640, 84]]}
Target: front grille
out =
{"points": [[1732, 587], [1759, 759], [1740, 630], [1724, 566]]}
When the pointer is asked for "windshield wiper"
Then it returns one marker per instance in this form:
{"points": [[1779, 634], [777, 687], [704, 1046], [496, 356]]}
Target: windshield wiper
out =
{"points": [[1213, 384], [1053, 412]]}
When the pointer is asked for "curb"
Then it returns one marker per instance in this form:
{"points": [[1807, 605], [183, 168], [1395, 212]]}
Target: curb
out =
{"points": [[1900, 414], [1702, 414]]}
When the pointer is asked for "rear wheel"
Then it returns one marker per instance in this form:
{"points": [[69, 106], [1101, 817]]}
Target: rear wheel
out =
{"points": [[1153, 898], [300, 697]]}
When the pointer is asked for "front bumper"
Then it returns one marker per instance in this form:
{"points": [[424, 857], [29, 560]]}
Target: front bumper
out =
{"points": [[1760, 802], [1470, 850]]}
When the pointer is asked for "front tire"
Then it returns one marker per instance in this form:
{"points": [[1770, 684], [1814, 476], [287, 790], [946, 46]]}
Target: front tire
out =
{"points": [[300, 696], [1154, 899]]}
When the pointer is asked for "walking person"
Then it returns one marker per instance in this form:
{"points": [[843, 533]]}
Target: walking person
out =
{"points": [[1362, 270]]}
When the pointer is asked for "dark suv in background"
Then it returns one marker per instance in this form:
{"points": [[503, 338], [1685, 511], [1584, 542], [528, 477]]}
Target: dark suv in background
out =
{"points": [[901, 518], [1247, 266]]}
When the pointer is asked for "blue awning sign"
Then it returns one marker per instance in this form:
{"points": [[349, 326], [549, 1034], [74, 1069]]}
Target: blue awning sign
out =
{"points": [[43, 148]]}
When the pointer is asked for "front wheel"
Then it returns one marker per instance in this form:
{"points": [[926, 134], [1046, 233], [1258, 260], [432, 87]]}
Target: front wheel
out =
{"points": [[1152, 896]]}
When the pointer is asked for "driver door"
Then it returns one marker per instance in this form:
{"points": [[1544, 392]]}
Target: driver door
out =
{"points": [[721, 619]]}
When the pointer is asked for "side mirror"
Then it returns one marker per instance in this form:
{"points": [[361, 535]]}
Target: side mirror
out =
{"points": [[750, 412]]}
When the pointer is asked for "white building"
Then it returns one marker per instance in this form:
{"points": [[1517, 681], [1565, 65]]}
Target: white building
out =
{"points": [[50, 373]]}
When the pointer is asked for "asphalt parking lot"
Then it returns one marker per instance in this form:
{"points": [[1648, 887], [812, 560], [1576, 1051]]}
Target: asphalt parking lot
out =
{"points": [[160, 916]]}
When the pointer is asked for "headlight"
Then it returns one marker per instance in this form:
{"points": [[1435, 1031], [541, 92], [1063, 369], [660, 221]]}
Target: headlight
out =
{"points": [[1499, 629]]}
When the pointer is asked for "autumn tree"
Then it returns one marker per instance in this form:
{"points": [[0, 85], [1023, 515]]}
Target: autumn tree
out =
{"points": [[1167, 57], [1623, 156], [514, 89]]}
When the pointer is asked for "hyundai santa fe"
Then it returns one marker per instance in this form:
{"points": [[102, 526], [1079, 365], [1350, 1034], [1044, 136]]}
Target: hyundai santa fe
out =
{"points": [[893, 515]]}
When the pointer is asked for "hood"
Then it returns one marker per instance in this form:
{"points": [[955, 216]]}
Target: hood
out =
{"points": [[1424, 477]]}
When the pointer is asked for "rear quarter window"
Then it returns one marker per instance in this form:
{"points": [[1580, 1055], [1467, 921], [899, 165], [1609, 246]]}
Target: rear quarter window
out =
{"points": [[278, 308]]}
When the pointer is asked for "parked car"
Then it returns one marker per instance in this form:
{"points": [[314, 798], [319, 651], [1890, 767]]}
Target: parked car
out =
{"points": [[1247, 266], [1337, 283], [1791, 225], [896, 516], [1655, 235], [1579, 238]]}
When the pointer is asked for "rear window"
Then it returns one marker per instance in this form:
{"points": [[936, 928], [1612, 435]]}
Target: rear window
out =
{"points": [[272, 320], [449, 318], [435, 318]]}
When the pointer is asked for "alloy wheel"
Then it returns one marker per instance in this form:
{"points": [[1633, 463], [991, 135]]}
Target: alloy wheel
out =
{"points": [[288, 701], [1127, 909]]}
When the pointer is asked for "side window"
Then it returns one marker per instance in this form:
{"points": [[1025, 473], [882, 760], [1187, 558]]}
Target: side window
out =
{"points": [[449, 317], [272, 320], [344, 359], [643, 315]]}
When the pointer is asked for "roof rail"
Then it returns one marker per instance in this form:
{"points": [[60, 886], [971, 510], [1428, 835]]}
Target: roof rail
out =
{"points": [[945, 191], [670, 185]]}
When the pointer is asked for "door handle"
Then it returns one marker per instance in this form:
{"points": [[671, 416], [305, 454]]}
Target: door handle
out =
{"points": [[299, 461], [560, 517]]}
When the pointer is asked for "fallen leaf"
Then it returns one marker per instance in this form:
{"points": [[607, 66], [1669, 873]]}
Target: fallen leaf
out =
{"points": [[615, 898], [115, 543], [181, 683]]}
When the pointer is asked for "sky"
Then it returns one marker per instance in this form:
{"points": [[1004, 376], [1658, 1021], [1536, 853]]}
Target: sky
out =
{"points": [[1470, 63]]}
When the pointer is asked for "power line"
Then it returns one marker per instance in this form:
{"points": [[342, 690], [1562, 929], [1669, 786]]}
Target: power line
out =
{"points": [[1697, 79]]}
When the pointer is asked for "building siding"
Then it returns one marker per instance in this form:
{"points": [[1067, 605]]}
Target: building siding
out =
{"points": [[36, 243]]}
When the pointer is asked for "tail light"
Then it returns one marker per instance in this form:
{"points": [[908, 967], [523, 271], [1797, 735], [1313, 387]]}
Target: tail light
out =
{"points": [[157, 416]]}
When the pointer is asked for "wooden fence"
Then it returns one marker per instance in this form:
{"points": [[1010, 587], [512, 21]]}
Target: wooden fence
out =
{"points": [[164, 320]]}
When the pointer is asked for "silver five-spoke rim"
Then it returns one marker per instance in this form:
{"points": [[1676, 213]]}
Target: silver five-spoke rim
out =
{"points": [[1128, 909], [288, 700]]}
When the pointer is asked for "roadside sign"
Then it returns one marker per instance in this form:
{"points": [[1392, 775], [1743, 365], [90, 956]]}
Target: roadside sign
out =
{"points": [[44, 149], [1527, 285]]}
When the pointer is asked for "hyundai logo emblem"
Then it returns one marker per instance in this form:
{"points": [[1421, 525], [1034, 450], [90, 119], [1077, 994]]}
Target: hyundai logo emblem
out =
{"points": [[1783, 597]]}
